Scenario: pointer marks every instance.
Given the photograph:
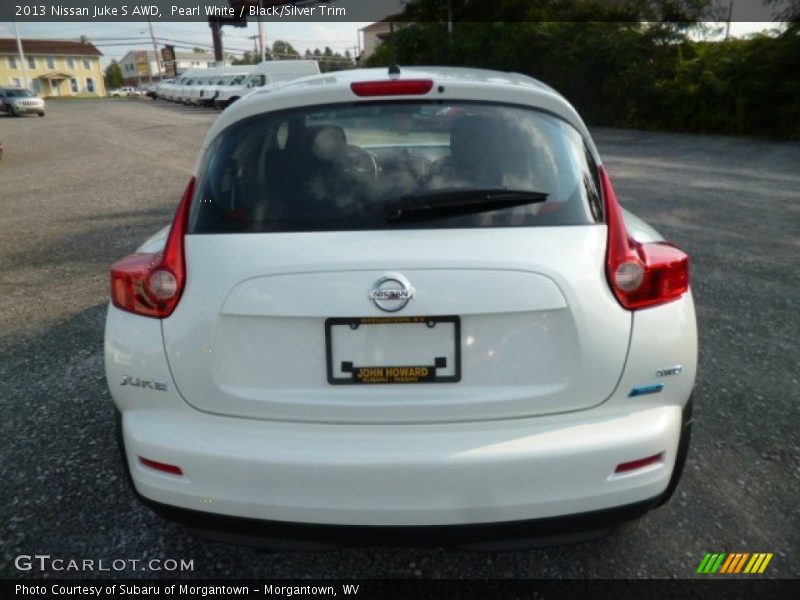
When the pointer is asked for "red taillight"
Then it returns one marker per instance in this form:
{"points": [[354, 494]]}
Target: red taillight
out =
{"points": [[159, 466], [640, 275], [392, 87], [151, 284], [639, 464]]}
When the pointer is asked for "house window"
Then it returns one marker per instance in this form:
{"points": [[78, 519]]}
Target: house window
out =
{"points": [[16, 82], [31, 62], [90, 85], [12, 62], [51, 62], [74, 85], [86, 65], [71, 63]]}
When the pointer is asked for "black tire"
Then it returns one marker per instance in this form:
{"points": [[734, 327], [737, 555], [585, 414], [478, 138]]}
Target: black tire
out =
{"points": [[41, 114]]}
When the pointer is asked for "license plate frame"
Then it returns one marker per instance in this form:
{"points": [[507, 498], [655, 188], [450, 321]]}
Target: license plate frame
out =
{"points": [[393, 377]]}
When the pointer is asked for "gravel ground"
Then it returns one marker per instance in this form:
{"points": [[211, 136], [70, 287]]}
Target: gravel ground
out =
{"points": [[83, 186]]}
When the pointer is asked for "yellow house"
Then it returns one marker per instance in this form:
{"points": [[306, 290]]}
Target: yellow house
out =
{"points": [[52, 67]]}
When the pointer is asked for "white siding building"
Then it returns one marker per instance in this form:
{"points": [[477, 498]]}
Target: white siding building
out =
{"points": [[139, 66]]}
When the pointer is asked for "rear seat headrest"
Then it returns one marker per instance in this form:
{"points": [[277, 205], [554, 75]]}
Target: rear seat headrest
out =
{"points": [[326, 142]]}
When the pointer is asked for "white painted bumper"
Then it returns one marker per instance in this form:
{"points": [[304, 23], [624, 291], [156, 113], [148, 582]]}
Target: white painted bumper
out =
{"points": [[402, 474]]}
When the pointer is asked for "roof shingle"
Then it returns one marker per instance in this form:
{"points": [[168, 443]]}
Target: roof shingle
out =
{"points": [[52, 47]]}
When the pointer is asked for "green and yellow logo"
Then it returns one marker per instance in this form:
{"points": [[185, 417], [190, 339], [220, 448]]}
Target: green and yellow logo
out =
{"points": [[737, 562]]}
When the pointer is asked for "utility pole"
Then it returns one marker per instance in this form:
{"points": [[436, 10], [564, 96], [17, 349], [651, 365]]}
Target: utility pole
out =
{"points": [[261, 31], [730, 16], [155, 51], [21, 56], [393, 42], [449, 20], [216, 38]]}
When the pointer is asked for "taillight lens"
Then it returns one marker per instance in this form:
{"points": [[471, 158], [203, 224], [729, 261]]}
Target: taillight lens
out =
{"points": [[640, 275], [392, 87], [150, 284]]}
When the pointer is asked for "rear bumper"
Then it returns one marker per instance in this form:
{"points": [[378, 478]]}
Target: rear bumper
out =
{"points": [[29, 109], [508, 535], [404, 484]]}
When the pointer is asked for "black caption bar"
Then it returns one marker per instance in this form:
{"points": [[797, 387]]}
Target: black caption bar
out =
{"points": [[351, 10], [383, 589]]}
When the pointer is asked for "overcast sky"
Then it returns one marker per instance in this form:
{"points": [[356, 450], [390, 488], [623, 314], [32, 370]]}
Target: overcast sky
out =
{"points": [[340, 36]]}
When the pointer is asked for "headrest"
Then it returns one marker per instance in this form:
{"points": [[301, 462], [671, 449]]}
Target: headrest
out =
{"points": [[326, 142]]}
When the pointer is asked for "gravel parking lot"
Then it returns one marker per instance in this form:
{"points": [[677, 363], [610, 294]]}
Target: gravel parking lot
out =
{"points": [[83, 186]]}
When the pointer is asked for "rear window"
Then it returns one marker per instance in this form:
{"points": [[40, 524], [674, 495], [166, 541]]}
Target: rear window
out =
{"points": [[341, 167]]}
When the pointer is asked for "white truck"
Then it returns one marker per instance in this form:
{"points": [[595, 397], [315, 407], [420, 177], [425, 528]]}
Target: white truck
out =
{"points": [[267, 72], [124, 91], [207, 89], [168, 89]]}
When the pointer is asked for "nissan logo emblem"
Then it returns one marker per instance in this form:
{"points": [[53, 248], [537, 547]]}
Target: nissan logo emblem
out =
{"points": [[391, 292]]}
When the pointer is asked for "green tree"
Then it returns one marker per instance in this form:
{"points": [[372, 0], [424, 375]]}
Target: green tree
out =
{"points": [[249, 58], [330, 60], [113, 76], [631, 70], [283, 50]]}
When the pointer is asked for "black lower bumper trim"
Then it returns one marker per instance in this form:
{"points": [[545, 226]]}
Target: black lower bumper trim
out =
{"points": [[493, 536]]}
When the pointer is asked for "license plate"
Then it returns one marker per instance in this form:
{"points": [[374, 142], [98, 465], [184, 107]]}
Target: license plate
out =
{"points": [[390, 350]]}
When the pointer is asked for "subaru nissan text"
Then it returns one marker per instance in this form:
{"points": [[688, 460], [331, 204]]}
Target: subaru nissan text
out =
{"points": [[368, 325]]}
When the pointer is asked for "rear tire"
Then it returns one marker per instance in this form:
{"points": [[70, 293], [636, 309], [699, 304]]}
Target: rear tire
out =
{"points": [[41, 114]]}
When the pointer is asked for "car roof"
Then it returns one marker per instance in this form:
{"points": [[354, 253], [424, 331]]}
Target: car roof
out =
{"points": [[450, 83]]}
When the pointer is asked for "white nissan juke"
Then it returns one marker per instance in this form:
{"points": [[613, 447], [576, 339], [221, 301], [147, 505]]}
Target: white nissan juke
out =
{"points": [[402, 306]]}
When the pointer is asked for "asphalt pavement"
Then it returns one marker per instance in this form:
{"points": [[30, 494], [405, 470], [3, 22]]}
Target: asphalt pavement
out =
{"points": [[87, 183]]}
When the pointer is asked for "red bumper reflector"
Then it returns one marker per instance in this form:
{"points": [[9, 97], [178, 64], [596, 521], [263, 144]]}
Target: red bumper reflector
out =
{"points": [[159, 466], [639, 464], [392, 87]]}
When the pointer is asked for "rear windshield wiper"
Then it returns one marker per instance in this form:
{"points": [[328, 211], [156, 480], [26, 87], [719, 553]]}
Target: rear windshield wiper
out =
{"points": [[455, 202]]}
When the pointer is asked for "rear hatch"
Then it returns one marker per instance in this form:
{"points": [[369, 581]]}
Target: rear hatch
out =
{"points": [[295, 310], [539, 331]]}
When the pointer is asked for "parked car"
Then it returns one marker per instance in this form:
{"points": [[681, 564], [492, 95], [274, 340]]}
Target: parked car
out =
{"points": [[265, 73], [160, 87], [166, 88], [124, 91], [209, 91], [356, 331], [19, 101]]}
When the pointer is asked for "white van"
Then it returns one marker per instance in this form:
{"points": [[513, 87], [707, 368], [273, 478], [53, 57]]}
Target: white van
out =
{"points": [[168, 89], [206, 93], [191, 95], [271, 71]]}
